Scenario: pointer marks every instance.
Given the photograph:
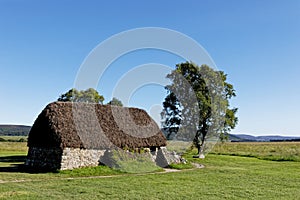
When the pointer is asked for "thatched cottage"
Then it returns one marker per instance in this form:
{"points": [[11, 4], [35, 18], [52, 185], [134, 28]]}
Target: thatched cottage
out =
{"points": [[70, 135]]}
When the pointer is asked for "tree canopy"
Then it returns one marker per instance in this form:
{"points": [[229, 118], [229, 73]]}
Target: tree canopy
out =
{"points": [[115, 102], [88, 96], [197, 104]]}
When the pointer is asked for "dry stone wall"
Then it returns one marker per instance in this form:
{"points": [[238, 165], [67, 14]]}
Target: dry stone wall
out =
{"points": [[76, 158], [71, 158], [68, 158], [43, 158]]}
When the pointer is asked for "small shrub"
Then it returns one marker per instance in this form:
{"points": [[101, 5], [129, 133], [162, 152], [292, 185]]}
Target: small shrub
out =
{"points": [[21, 140]]}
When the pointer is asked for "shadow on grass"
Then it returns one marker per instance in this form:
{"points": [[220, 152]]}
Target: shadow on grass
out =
{"points": [[13, 167], [12, 159], [17, 165]]}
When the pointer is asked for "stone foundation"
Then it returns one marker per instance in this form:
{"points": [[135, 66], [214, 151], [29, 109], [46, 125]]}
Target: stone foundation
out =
{"points": [[68, 158], [71, 158], [43, 158], [76, 158]]}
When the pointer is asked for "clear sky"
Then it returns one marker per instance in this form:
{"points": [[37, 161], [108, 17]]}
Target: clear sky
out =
{"points": [[256, 42]]}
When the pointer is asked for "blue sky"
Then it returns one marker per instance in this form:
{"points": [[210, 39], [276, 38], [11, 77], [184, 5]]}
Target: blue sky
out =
{"points": [[257, 43]]}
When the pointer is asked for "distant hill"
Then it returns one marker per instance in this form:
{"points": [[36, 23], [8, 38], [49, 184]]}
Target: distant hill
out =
{"points": [[268, 138], [14, 130]]}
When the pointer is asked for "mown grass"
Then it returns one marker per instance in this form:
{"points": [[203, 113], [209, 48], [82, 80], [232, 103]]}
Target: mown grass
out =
{"points": [[276, 151], [181, 166], [90, 171], [224, 177]]}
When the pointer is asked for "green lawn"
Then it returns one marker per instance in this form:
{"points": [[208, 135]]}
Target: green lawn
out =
{"points": [[224, 177], [12, 153]]}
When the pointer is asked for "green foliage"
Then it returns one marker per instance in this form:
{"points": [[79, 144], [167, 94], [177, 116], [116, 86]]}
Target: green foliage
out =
{"points": [[88, 96], [22, 140], [115, 102], [198, 104], [230, 122]]}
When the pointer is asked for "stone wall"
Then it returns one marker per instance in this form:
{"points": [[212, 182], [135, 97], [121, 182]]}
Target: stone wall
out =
{"points": [[43, 158], [71, 158], [55, 158], [76, 158]]}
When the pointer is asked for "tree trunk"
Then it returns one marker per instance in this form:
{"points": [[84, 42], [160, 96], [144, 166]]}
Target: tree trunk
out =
{"points": [[201, 150]]}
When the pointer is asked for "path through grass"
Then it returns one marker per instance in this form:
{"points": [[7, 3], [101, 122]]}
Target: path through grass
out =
{"points": [[224, 177]]}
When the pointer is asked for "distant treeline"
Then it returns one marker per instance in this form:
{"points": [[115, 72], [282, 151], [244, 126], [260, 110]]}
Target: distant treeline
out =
{"points": [[291, 140], [14, 130]]}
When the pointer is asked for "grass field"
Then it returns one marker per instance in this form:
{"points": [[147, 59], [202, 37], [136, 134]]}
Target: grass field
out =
{"points": [[224, 177], [276, 151], [13, 138]]}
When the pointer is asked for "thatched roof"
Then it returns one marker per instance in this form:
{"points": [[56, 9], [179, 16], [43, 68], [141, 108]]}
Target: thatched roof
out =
{"points": [[94, 126]]}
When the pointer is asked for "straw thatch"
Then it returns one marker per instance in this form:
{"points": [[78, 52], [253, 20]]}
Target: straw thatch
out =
{"points": [[94, 126]]}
